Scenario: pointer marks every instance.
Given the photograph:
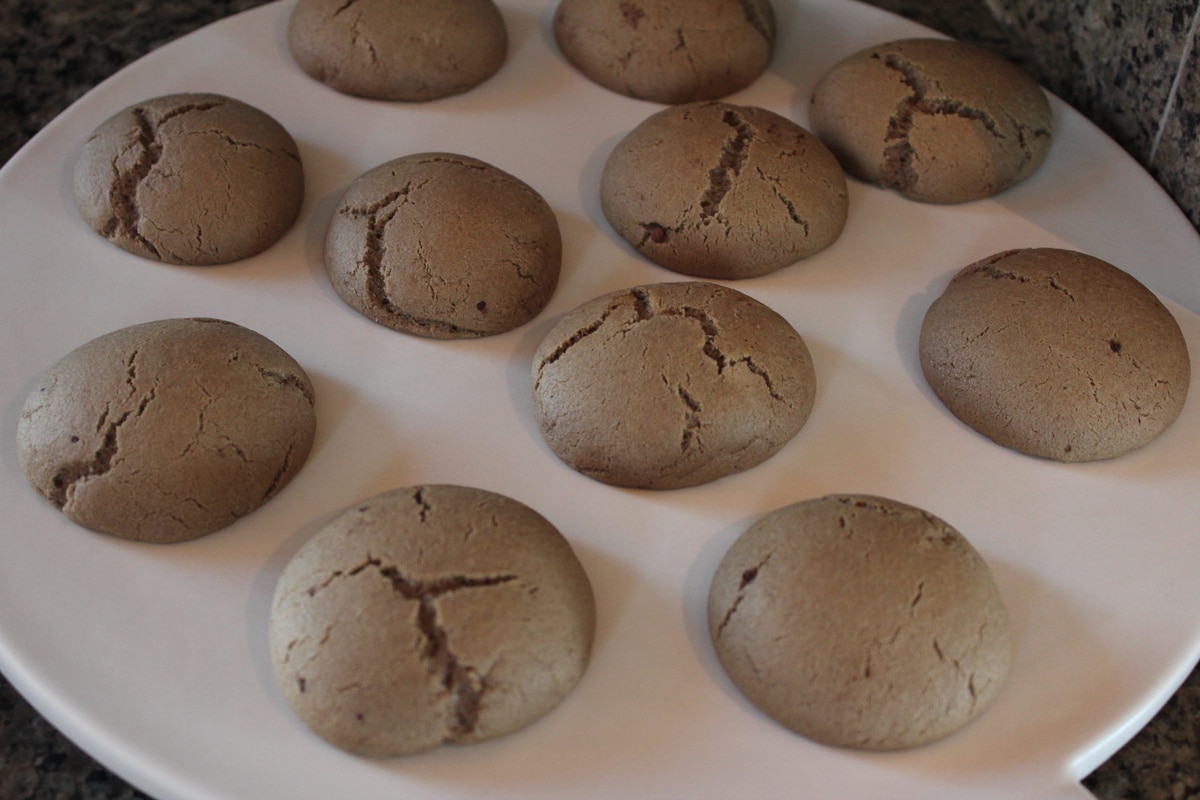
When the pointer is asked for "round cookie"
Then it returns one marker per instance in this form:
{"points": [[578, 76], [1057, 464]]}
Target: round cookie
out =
{"points": [[671, 385], [667, 51], [860, 622], [717, 190], [1055, 353], [430, 615], [167, 430], [190, 179], [936, 120], [444, 246], [411, 50]]}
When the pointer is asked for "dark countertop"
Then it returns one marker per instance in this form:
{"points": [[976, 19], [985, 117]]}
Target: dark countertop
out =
{"points": [[1132, 66]]}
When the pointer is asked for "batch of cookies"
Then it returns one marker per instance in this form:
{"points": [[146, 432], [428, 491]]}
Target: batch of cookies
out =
{"points": [[436, 614]]}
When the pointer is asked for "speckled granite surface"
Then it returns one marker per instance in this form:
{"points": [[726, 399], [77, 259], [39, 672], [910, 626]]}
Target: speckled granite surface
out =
{"points": [[1133, 66]]}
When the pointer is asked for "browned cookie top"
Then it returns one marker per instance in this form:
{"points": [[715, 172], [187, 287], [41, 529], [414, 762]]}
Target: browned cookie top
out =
{"points": [[937, 120], [167, 430], [445, 246], [669, 51], [413, 50], [430, 615], [192, 179], [1055, 353], [718, 190], [860, 622], [671, 385]]}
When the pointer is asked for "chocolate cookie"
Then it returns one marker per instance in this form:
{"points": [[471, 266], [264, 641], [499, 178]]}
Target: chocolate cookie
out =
{"points": [[413, 50], [717, 190], [668, 51], [430, 615], [190, 179], [444, 246], [936, 120], [1055, 353], [860, 622], [167, 430], [671, 385]]}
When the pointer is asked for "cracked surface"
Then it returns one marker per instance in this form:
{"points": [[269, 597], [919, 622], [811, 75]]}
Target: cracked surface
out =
{"points": [[936, 120], [717, 190], [671, 385], [444, 246], [129, 436], [860, 622], [404, 50], [1057, 354], [430, 615], [191, 179], [668, 51]]}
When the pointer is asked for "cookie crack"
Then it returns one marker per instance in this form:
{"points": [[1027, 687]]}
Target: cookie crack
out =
{"points": [[647, 310], [691, 418], [733, 158], [102, 459], [898, 172], [792, 212], [423, 506], [463, 682], [122, 196], [287, 380], [101, 462], [378, 216], [748, 577], [575, 338], [285, 467]]}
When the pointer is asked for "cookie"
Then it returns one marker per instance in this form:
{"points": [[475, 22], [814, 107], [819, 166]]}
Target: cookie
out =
{"points": [[410, 50], [668, 51], [167, 430], [716, 190], [444, 246], [860, 622], [1055, 353], [671, 385], [190, 179], [936, 120], [430, 615]]}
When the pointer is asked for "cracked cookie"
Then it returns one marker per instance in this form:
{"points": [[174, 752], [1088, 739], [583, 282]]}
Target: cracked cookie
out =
{"points": [[430, 615], [167, 430], [667, 51], [444, 246], [936, 120], [717, 190], [860, 622], [190, 179], [671, 385], [407, 50], [1055, 353]]}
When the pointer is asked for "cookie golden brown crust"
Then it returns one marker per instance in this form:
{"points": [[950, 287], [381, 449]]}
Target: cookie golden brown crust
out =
{"points": [[168, 430], [938, 121], [408, 50], [668, 51], [1055, 353], [190, 179], [717, 190], [860, 622], [430, 615], [444, 246], [671, 385]]}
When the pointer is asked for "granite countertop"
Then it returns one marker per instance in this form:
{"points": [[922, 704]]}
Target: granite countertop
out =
{"points": [[1132, 66]]}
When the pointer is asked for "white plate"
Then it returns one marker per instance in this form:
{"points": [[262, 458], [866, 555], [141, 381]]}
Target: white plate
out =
{"points": [[154, 659]]}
